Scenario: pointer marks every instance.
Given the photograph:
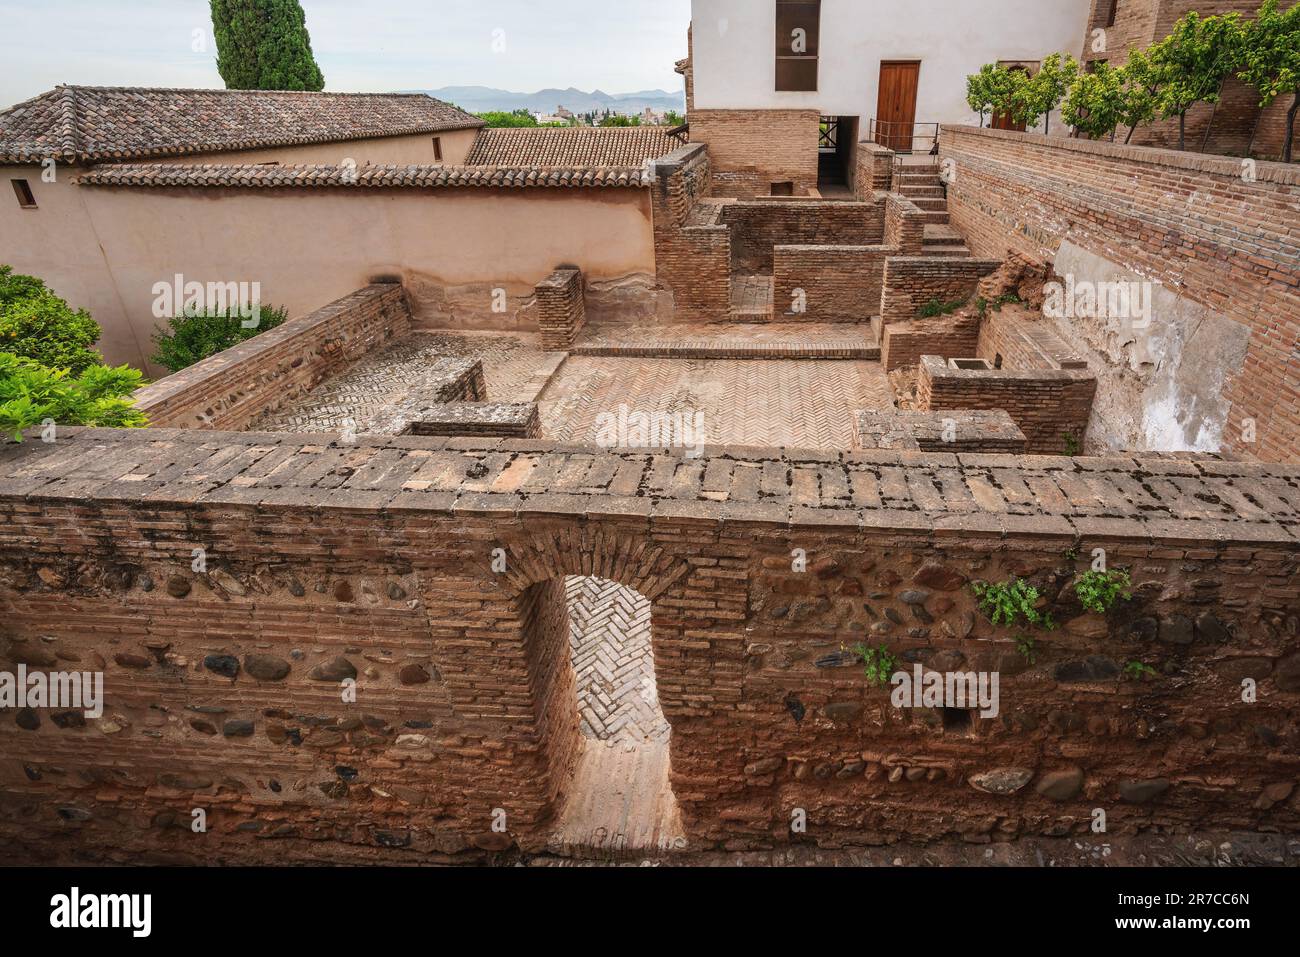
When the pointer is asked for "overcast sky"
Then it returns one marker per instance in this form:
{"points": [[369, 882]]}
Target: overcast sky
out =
{"points": [[362, 45]]}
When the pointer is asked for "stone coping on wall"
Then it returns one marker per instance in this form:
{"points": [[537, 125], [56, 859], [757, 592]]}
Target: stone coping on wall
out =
{"points": [[1285, 174], [937, 367], [991, 430], [932, 494], [361, 177]]}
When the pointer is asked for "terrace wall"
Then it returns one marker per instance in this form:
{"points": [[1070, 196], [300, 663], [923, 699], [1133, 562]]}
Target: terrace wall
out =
{"points": [[951, 337], [758, 226], [231, 389], [1219, 352], [692, 246], [912, 282], [835, 283], [374, 562]]}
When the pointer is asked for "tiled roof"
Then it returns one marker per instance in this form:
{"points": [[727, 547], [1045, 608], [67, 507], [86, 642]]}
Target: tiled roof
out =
{"points": [[381, 176], [572, 146], [90, 124]]}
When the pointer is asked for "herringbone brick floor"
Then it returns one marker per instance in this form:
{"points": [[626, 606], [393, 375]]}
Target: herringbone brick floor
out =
{"points": [[801, 404]]}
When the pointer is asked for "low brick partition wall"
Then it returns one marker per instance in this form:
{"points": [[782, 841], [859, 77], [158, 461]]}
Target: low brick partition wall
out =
{"points": [[692, 245], [939, 431], [758, 226], [234, 387], [904, 225], [1047, 404], [429, 571], [752, 149], [950, 337], [561, 309], [838, 283], [913, 282], [875, 170], [486, 419]]}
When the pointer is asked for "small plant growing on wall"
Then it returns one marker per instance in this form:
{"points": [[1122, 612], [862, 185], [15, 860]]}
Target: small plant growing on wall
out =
{"points": [[1071, 444], [1027, 647], [1011, 603], [936, 307], [880, 663], [1099, 591], [1138, 671]]}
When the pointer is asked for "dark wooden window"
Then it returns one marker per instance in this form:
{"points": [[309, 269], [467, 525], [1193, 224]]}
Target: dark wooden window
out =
{"points": [[798, 38], [437, 148], [24, 192]]}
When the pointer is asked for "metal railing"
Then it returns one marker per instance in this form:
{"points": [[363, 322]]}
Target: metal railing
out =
{"points": [[909, 138]]}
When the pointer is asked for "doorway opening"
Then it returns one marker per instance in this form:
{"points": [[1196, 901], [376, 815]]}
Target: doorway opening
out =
{"points": [[620, 800], [837, 140]]}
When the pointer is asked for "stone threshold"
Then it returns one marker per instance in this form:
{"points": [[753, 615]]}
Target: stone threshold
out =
{"points": [[735, 349]]}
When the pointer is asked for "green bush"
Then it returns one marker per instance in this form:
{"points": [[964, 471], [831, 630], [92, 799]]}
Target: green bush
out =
{"points": [[879, 663], [937, 307], [1011, 603], [193, 337], [1099, 591], [31, 393], [38, 325]]}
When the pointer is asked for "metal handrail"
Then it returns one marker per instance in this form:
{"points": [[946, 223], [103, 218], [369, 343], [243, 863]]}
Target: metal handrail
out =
{"points": [[894, 134]]}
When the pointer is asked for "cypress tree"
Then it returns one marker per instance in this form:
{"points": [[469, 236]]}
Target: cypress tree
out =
{"points": [[263, 45]]}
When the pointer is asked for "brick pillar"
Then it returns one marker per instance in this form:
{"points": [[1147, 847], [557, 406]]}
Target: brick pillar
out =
{"points": [[875, 171], [562, 309], [904, 225]]}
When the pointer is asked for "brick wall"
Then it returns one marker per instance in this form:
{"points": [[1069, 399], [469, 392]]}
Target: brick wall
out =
{"points": [[904, 225], [875, 170], [912, 282], [1024, 341], [752, 149], [1047, 404], [952, 337], [561, 309], [692, 246], [759, 226], [234, 387], [1187, 221], [839, 283], [375, 560], [950, 431]]}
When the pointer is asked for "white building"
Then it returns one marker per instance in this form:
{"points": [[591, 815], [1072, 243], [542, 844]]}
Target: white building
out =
{"points": [[766, 78]]}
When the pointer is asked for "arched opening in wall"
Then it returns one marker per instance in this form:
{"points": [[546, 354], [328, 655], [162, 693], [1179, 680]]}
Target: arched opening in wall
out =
{"points": [[620, 798]]}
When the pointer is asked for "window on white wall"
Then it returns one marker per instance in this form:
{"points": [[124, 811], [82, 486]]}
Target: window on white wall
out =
{"points": [[23, 190], [798, 36]]}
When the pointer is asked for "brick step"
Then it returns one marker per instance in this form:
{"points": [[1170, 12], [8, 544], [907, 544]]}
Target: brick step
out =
{"points": [[930, 202], [943, 236], [861, 346], [950, 252], [936, 217], [925, 192]]}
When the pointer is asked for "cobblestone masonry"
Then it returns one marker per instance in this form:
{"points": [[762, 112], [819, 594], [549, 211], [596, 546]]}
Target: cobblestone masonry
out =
{"points": [[1189, 221], [375, 561]]}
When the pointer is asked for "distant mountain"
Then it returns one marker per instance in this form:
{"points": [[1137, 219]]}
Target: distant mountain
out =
{"points": [[480, 99]]}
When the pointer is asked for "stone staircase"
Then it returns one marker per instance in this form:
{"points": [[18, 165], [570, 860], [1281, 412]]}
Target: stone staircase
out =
{"points": [[921, 185]]}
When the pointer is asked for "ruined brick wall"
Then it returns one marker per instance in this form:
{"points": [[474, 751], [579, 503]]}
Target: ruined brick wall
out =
{"points": [[952, 337], [1189, 222], [837, 283], [875, 170], [753, 149], [758, 226], [374, 562], [561, 309], [1024, 341], [913, 282], [229, 390], [904, 225], [1047, 404], [692, 246]]}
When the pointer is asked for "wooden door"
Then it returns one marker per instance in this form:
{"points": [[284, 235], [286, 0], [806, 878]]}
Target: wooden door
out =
{"points": [[896, 105]]}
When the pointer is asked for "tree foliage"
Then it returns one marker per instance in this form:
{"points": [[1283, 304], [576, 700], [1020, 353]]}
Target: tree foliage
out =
{"points": [[194, 336], [264, 45], [1035, 97], [1192, 63], [38, 325], [1095, 103], [30, 394], [1270, 61]]}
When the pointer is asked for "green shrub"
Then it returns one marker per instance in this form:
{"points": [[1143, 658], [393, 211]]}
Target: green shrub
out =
{"points": [[1011, 603], [193, 337], [880, 663], [936, 307], [1098, 591], [31, 393], [1139, 671], [38, 325]]}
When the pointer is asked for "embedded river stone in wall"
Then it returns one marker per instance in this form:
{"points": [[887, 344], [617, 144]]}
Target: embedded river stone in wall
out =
{"points": [[843, 712], [939, 577], [266, 667], [1177, 630], [225, 665], [1139, 792], [413, 675], [1061, 785], [1092, 668], [336, 669], [1001, 780], [138, 662], [1210, 628], [1238, 669], [178, 586], [1287, 674], [237, 729]]}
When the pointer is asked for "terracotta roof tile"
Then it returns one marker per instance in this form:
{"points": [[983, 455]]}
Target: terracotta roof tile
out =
{"points": [[575, 146], [372, 176], [91, 124]]}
